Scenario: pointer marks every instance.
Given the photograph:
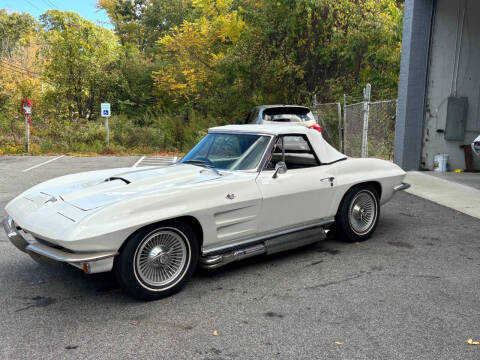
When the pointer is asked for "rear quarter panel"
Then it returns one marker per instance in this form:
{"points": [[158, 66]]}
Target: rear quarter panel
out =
{"points": [[353, 171]]}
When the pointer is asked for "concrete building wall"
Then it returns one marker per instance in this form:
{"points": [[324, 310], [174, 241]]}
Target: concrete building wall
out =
{"points": [[454, 70], [412, 84]]}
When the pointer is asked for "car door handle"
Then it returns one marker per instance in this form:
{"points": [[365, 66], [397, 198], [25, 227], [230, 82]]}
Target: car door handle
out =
{"points": [[330, 178]]}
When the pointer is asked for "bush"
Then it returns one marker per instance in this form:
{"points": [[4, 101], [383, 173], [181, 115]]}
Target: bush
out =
{"points": [[148, 134]]}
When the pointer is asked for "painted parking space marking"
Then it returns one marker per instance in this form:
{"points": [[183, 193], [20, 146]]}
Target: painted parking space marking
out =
{"points": [[43, 163], [139, 161], [155, 161]]}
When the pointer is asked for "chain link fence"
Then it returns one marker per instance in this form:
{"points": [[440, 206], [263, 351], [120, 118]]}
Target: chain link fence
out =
{"points": [[329, 116], [381, 128], [353, 129], [360, 129]]}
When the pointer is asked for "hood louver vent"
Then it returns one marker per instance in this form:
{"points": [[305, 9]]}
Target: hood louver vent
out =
{"points": [[118, 178]]}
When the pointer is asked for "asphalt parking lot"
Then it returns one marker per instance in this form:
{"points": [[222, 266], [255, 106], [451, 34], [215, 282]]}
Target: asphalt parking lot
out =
{"points": [[410, 292]]}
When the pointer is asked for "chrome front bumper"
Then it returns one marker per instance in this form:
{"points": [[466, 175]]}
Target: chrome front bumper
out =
{"points": [[402, 186], [90, 262], [13, 235]]}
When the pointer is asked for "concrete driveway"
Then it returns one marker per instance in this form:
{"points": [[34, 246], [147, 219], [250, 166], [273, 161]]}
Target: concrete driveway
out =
{"points": [[410, 292]]}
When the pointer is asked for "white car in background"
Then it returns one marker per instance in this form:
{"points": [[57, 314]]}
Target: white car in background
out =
{"points": [[243, 190], [283, 114], [476, 145]]}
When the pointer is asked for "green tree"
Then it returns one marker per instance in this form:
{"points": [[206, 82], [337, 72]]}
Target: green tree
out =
{"points": [[190, 53], [16, 30], [142, 22], [19, 76], [81, 63], [236, 54]]}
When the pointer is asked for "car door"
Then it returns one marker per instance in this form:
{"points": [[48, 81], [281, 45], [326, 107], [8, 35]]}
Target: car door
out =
{"points": [[301, 196]]}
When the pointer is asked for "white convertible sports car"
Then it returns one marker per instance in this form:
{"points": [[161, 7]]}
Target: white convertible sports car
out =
{"points": [[243, 190]]}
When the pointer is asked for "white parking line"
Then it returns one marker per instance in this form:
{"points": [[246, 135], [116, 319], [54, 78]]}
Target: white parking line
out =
{"points": [[160, 161], [43, 163], [139, 161]]}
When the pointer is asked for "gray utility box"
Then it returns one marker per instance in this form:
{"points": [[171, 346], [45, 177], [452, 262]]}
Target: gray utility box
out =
{"points": [[457, 108]]}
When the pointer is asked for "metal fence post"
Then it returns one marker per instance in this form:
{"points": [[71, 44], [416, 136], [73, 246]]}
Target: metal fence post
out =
{"points": [[315, 112], [339, 109], [366, 101], [344, 130]]}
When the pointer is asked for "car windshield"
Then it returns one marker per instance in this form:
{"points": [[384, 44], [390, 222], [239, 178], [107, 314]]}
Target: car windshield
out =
{"points": [[226, 151]]}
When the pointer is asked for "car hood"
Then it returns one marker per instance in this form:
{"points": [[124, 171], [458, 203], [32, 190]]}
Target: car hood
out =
{"points": [[101, 190]]}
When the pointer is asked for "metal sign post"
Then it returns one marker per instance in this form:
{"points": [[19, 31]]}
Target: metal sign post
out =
{"points": [[27, 111], [366, 105], [105, 111], [27, 135]]}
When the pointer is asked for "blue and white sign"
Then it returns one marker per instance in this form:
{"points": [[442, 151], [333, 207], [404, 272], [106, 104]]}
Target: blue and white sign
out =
{"points": [[105, 109]]}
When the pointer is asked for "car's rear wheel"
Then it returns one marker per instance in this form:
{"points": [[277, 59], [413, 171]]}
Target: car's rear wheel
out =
{"points": [[157, 261], [358, 214]]}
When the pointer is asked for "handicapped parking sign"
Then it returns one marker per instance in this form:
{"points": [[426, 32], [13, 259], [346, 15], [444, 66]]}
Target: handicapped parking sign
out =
{"points": [[105, 109]]}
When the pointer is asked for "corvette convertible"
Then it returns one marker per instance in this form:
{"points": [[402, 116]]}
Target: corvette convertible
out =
{"points": [[242, 191]]}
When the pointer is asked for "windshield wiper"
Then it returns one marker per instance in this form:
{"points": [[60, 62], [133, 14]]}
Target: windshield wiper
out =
{"points": [[203, 164], [195, 162]]}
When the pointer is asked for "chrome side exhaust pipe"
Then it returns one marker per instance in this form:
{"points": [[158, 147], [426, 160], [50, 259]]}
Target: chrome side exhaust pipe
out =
{"points": [[268, 247], [216, 261]]}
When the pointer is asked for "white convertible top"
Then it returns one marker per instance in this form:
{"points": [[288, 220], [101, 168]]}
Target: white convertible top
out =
{"points": [[325, 152]]}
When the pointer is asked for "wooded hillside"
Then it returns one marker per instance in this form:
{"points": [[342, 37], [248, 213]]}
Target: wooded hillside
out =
{"points": [[172, 68]]}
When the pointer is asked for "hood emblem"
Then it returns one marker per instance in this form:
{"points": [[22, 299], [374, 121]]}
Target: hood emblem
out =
{"points": [[231, 196], [52, 199]]}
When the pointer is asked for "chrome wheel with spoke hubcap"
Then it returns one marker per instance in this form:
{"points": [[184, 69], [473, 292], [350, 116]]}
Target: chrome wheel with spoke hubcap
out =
{"points": [[156, 261], [362, 213], [358, 213], [161, 257]]}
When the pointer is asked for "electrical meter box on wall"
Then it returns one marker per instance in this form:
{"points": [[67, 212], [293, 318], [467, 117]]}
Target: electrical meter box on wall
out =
{"points": [[456, 118]]}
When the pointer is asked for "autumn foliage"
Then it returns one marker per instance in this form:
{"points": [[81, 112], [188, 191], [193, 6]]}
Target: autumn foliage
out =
{"points": [[172, 68]]}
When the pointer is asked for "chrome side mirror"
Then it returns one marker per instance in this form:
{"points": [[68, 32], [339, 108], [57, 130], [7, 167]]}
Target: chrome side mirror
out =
{"points": [[280, 168]]}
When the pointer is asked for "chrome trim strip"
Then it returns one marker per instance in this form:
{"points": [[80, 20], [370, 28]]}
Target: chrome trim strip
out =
{"points": [[63, 256], [229, 131], [402, 186], [267, 154], [218, 249]]}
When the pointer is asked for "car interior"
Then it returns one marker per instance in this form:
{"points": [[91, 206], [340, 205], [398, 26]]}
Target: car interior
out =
{"points": [[295, 151]]}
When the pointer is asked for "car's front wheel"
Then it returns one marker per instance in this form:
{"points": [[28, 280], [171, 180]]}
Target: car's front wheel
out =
{"points": [[157, 261], [358, 213]]}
